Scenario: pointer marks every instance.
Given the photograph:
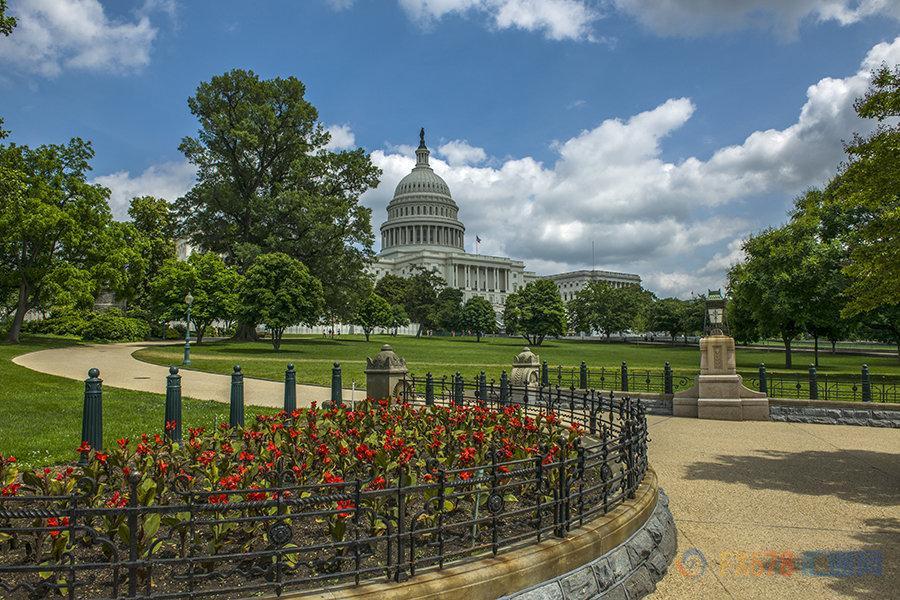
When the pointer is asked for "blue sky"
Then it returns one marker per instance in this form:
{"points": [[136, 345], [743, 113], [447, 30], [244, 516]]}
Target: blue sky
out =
{"points": [[664, 132]]}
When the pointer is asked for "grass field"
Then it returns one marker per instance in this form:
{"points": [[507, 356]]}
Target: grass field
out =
{"points": [[40, 415], [313, 357]]}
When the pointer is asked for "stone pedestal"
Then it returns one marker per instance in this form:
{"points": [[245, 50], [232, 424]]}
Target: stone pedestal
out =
{"points": [[385, 374], [526, 368], [719, 392]]}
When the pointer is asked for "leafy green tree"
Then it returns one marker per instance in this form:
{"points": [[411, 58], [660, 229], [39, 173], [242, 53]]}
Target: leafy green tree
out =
{"points": [[742, 323], [268, 184], [882, 324], [666, 315], [692, 315], [861, 202], [448, 311], [399, 318], [50, 218], [535, 311], [279, 291], [373, 312], [7, 22], [392, 288], [601, 306], [214, 286], [154, 222], [421, 296], [478, 315]]}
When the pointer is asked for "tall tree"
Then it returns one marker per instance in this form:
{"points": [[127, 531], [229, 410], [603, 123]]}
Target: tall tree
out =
{"points": [[398, 319], [666, 315], [154, 221], [535, 311], [392, 288], [420, 300], [448, 312], [267, 183], [50, 217], [862, 201], [601, 306], [478, 315], [373, 312], [279, 291]]}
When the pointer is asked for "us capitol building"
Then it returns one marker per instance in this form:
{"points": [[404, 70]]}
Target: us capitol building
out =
{"points": [[423, 230]]}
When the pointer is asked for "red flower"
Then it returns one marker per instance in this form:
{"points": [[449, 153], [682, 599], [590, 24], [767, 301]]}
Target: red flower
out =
{"points": [[171, 426], [256, 496], [246, 456], [117, 500], [465, 475], [122, 442], [143, 449], [54, 522], [10, 490], [467, 455], [378, 483], [101, 457], [345, 505], [218, 499], [84, 448], [364, 453], [206, 457]]}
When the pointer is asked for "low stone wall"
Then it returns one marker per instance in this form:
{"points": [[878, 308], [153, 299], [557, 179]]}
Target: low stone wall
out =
{"points": [[628, 572], [868, 414], [658, 405]]}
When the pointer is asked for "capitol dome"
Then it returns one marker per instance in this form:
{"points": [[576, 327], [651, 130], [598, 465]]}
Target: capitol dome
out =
{"points": [[422, 211]]}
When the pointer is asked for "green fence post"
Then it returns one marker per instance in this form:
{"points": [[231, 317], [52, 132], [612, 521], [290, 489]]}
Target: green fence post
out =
{"points": [[172, 423], [763, 382], [92, 415], [290, 389], [236, 414], [545, 373], [668, 388], [624, 377], [866, 384], [482, 387], [582, 376], [504, 388], [337, 396], [813, 383], [429, 389]]}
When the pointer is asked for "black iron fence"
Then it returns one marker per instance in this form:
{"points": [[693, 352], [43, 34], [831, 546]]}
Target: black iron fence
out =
{"points": [[298, 535], [813, 385], [621, 378]]}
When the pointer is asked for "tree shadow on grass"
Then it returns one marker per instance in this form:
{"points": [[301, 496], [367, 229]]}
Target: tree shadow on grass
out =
{"points": [[882, 538], [862, 476]]}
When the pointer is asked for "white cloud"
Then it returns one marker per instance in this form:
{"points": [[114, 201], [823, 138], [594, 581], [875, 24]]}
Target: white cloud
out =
{"points": [[555, 19], [673, 222], [169, 180], [460, 152], [342, 137], [698, 17], [52, 35]]}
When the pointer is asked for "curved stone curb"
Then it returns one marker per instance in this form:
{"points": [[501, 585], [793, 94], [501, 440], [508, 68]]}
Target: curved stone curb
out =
{"points": [[628, 572]]}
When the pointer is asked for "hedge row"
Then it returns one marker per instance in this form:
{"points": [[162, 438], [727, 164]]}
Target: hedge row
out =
{"points": [[105, 326]]}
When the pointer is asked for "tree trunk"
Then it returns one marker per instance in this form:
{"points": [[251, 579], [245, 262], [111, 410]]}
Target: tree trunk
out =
{"points": [[200, 330], [419, 331], [366, 331], [478, 337], [276, 337], [833, 345], [787, 352], [246, 332], [21, 309], [816, 351]]}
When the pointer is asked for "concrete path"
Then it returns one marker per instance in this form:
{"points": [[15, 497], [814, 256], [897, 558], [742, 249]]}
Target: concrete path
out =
{"points": [[735, 488], [118, 368]]}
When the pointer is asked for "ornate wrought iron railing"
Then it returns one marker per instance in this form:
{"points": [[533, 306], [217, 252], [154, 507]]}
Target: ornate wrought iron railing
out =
{"points": [[215, 543]]}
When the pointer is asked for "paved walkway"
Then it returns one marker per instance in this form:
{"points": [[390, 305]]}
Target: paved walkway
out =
{"points": [[735, 488], [118, 368]]}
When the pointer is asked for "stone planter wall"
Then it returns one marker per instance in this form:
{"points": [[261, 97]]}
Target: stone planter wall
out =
{"points": [[869, 414], [627, 572]]}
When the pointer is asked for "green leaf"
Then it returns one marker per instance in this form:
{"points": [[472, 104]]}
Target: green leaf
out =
{"points": [[151, 525]]}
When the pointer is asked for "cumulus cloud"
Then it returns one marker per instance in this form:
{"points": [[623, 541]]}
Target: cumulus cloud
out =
{"points": [[555, 19], [610, 185], [460, 152], [169, 180], [53, 35], [342, 137], [698, 17]]}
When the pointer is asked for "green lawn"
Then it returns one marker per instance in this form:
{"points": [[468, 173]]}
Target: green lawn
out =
{"points": [[313, 357], [40, 415]]}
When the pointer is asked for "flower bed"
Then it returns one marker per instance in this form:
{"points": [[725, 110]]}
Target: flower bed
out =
{"points": [[314, 497]]}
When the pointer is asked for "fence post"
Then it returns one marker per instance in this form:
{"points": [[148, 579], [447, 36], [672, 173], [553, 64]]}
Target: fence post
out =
{"points": [[458, 389], [236, 414], [172, 423], [337, 396], [92, 415], [763, 383], [813, 383], [290, 389], [401, 574], [482, 387], [563, 493], [545, 374], [668, 388], [582, 376], [133, 533], [504, 388], [429, 389], [624, 377], [866, 384]]}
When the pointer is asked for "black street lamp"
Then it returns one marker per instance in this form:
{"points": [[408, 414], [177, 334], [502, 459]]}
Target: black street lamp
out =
{"points": [[187, 331], [714, 316]]}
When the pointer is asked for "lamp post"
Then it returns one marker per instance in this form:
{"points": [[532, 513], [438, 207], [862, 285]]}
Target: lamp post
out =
{"points": [[187, 331], [715, 313]]}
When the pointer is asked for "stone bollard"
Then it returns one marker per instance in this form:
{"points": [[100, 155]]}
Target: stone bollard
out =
{"points": [[386, 375], [337, 391], [624, 377], [172, 422], [92, 415], [236, 414], [526, 369], [813, 383], [290, 389], [763, 382]]}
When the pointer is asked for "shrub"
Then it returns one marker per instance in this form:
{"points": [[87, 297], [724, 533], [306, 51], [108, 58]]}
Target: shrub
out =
{"points": [[105, 326]]}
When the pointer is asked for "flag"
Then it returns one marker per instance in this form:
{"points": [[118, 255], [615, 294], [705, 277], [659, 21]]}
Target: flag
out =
{"points": [[477, 240]]}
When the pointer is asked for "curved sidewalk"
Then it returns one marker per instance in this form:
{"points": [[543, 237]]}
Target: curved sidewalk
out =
{"points": [[118, 368]]}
